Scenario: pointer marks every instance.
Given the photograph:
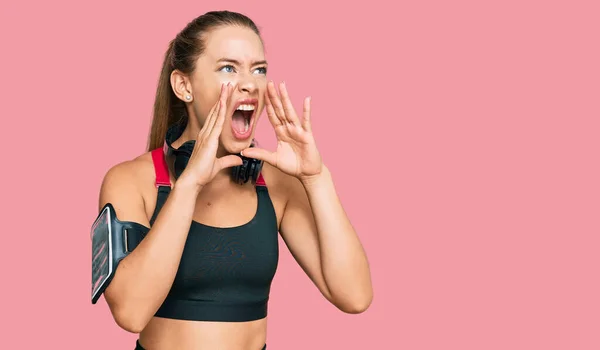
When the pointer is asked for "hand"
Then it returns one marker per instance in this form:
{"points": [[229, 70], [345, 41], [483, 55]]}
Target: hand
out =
{"points": [[296, 153], [203, 165]]}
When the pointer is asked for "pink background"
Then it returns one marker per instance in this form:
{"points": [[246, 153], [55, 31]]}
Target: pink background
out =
{"points": [[463, 136]]}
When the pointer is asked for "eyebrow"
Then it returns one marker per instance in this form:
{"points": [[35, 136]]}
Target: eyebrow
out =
{"points": [[231, 60]]}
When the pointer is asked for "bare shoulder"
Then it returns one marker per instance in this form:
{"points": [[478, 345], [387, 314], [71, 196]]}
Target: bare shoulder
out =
{"points": [[124, 186]]}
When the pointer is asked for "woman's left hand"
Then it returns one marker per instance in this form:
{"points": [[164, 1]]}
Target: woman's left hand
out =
{"points": [[296, 153]]}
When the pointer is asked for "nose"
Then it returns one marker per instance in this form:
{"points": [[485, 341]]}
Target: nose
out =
{"points": [[247, 83]]}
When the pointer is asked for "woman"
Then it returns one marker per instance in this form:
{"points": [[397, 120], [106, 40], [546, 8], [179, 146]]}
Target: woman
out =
{"points": [[200, 278]]}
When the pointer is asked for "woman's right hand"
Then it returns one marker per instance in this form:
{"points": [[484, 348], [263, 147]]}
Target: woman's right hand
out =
{"points": [[203, 164]]}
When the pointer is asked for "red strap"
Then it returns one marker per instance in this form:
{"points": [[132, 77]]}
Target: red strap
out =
{"points": [[260, 181], [160, 168]]}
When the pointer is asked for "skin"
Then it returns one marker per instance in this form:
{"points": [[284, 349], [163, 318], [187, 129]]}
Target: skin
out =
{"points": [[311, 219]]}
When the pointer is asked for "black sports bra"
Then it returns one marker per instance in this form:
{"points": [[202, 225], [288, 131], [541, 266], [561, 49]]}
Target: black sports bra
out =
{"points": [[225, 274]]}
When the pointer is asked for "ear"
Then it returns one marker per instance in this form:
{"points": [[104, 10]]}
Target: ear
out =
{"points": [[181, 86]]}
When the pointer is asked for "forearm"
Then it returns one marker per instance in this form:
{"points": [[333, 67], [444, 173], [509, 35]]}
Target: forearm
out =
{"points": [[144, 278], [344, 263]]}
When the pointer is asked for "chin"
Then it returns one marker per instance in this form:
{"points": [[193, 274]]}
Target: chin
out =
{"points": [[235, 146]]}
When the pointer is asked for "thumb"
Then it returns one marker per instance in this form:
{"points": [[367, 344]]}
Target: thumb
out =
{"points": [[261, 154], [229, 161]]}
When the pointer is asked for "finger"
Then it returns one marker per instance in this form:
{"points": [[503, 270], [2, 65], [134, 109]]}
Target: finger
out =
{"points": [[223, 98], [276, 103], [218, 127], [228, 92], [205, 126], [229, 161], [306, 114], [261, 154], [287, 106], [271, 112], [220, 120], [209, 122], [221, 103]]}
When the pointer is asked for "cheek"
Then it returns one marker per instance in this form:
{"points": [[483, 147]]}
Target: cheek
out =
{"points": [[261, 86], [262, 90], [224, 80], [262, 83], [206, 97], [203, 104]]}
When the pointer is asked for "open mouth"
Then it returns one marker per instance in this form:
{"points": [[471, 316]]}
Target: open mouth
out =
{"points": [[242, 118]]}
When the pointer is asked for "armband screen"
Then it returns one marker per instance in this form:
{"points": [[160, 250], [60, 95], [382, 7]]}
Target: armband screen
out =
{"points": [[102, 262], [112, 241]]}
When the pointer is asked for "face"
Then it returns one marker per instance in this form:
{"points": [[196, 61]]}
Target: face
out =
{"points": [[233, 55]]}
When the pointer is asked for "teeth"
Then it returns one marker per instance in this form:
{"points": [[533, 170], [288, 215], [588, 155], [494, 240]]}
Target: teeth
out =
{"points": [[245, 108]]}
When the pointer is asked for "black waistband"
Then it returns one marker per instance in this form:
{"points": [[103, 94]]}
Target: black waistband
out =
{"points": [[139, 346], [191, 310]]}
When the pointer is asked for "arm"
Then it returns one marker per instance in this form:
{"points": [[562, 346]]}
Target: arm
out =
{"points": [[143, 278], [314, 224], [324, 243]]}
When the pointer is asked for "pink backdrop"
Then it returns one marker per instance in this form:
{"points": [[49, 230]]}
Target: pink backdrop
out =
{"points": [[463, 136]]}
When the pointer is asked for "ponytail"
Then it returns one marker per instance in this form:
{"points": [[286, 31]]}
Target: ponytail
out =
{"points": [[164, 103]]}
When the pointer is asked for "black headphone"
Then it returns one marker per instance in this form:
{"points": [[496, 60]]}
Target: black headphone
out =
{"points": [[248, 171]]}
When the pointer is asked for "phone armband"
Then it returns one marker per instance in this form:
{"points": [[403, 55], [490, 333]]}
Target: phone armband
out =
{"points": [[112, 241]]}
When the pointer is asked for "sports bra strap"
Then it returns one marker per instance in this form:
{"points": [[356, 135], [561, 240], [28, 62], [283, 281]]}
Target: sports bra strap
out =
{"points": [[160, 168], [260, 181], [162, 182]]}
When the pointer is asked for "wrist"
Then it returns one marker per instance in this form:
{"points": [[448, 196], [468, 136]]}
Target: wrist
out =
{"points": [[185, 185], [316, 180]]}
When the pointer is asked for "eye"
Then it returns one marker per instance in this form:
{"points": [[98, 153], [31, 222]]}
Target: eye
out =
{"points": [[227, 67], [262, 70]]}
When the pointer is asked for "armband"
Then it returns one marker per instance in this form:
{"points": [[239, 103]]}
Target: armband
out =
{"points": [[112, 241]]}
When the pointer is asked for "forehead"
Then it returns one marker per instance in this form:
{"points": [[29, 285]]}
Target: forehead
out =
{"points": [[233, 42]]}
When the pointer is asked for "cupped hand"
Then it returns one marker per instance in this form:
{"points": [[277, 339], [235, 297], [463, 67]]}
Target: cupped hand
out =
{"points": [[297, 152], [203, 164]]}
